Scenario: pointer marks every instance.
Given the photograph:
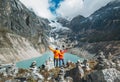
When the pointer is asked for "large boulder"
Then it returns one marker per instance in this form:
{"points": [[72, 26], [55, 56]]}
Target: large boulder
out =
{"points": [[106, 75]]}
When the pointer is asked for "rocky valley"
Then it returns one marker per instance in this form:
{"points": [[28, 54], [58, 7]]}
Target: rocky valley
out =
{"points": [[24, 35]]}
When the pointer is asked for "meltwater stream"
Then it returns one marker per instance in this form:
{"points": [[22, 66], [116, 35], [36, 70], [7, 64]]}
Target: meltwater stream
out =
{"points": [[41, 60]]}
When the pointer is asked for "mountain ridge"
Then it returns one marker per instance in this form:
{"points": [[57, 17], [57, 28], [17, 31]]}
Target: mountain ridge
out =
{"points": [[97, 31]]}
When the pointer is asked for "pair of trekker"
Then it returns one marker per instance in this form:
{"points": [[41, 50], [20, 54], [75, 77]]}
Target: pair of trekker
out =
{"points": [[58, 56]]}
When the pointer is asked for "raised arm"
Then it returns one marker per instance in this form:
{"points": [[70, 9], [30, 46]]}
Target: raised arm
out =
{"points": [[64, 51], [51, 48]]}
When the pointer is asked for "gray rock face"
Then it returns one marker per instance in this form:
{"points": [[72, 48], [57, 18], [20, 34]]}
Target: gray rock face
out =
{"points": [[106, 75], [16, 19], [117, 62], [15, 48]]}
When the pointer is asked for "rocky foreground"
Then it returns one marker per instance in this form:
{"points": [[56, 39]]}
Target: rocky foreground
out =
{"points": [[98, 69]]}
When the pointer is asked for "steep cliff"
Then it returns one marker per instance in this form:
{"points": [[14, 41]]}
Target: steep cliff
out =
{"points": [[103, 25], [22, 32]]}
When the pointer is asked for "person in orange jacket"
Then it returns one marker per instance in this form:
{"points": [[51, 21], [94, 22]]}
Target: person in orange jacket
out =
{"points": [[56, 53], [61, 57]]}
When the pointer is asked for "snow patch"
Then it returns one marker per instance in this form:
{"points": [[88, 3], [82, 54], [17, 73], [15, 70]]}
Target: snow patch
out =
{"points": [[57, 26]]}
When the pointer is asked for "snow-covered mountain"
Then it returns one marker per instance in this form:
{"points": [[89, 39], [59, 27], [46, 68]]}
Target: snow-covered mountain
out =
{"points": [[99, 31], [57, 32], [103, 25]]}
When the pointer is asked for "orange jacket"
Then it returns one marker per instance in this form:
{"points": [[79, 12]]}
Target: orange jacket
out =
{"points": [[56, 52], [61, 56]]}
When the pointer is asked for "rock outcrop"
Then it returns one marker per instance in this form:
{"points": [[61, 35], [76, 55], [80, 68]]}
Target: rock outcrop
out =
{"points": [[105, 75], [15, 48]]}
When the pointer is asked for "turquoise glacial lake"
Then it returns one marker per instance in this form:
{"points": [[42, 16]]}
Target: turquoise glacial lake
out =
{"points": [[41, 60]]}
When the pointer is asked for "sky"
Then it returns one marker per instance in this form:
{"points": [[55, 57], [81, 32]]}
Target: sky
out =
{"points": [[64, 8]]}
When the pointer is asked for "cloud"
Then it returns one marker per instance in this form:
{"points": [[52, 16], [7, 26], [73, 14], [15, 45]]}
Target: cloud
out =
{"points": [[91, 6], [72, 8], [40, 7], [65, 8]]}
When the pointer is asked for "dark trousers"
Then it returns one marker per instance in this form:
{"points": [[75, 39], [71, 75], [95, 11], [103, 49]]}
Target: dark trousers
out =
{"points": [[56, 62], [61, 62]]}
